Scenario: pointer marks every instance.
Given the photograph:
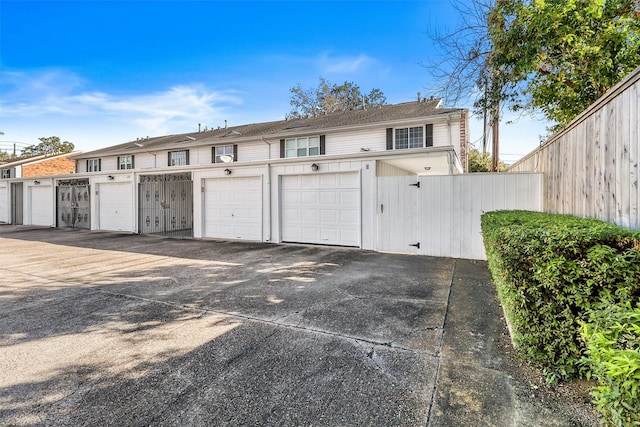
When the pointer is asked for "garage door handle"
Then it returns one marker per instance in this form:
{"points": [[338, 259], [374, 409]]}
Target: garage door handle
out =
{"points": [[381, 208]]}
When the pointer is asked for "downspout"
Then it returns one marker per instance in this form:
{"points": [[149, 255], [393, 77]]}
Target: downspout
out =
{"points": [[449, 128], [270, 213], [449, 156]]}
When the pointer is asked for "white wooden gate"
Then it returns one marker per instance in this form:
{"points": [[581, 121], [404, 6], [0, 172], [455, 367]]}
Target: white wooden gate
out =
{"points": [[440, 215], [398, 225]]}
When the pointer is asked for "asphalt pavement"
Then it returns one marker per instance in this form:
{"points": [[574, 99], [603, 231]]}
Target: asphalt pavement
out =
{"points": [[102, 328]]}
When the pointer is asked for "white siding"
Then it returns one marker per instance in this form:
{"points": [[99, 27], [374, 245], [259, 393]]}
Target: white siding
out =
{"points": [[109, 163], [385, 169], [355, 141], [5, 202], [144, 161], [251, 151]]}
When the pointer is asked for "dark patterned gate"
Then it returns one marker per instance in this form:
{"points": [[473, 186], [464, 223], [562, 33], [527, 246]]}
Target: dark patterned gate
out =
{"points": [[73, 204], [166, 204]]}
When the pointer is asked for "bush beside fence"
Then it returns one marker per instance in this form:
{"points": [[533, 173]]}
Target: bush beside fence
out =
{"points": [[570, 290]]}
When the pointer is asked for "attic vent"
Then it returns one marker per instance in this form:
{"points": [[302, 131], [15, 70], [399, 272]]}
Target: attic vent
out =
{"points": [[186, 138], [296, 125], [233, 133]]}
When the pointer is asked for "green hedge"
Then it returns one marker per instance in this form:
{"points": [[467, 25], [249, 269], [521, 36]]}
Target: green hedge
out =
{"points": [[612, 336], [549, 270]]}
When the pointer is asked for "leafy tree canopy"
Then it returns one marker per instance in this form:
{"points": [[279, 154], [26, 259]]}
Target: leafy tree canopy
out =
{"points": [[49, 146], [559, 56], [328, 98], [551, 56], [481, 162], [4, 155]]}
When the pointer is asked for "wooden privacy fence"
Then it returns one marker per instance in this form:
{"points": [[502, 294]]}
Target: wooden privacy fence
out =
{"points": [[440, 215], [591, 167]]}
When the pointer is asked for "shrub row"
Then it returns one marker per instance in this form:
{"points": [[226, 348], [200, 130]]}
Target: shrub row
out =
{"points": [[550, 271], [612, 337]]}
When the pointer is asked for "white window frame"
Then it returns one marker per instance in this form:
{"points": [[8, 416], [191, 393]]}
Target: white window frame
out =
{"points": [[181, 158], [223, 150], [415, 137], [6, 174], [125, 162], [302, 147], [93, 165]]}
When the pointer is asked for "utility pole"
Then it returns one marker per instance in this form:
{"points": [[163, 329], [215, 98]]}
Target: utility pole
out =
{"points": [[495, 147]]}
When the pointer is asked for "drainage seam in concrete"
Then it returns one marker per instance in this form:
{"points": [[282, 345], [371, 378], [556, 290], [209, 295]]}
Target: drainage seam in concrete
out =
{"points": [[269, 322], [439, 351]]}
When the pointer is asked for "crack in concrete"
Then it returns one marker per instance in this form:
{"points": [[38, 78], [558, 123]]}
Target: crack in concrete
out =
{"points": [[266, 322], [438, 357]]}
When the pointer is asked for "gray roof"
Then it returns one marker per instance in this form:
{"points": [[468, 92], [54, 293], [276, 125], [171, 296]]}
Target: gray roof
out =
{"points": [[33, 159], [282, 128]]}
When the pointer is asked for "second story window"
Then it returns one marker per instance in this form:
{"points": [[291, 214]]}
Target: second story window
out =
{"points": [[302, 147], [179, 158], [125, 162], [225, 153], [93, 165], [6, 173], [410, 137]]}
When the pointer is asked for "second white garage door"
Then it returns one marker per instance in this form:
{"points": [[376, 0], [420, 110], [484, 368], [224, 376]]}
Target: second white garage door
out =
{"points": [[321, 208], [233, 208]]}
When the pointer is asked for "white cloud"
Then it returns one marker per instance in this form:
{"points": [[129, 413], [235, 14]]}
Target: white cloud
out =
{"points": [[344, 64], [60, 93]]}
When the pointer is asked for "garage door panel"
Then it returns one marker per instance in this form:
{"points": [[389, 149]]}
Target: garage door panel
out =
{"points": [[329, 180], [307, 197], [323, 208], [349, 217], [329, 234], [41, 205], [329, 197], [329, 217], [233, 208], [115, 211]]}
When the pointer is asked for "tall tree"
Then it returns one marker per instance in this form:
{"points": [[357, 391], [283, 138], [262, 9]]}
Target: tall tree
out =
{"points": [[550, 56], [49, 146], [328, 98], [559, 56], [461, 65]]}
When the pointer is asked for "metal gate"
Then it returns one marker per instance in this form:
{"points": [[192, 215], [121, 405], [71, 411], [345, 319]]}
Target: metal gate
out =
{"points": [[166, 204], [16, 203], [73, 204]]}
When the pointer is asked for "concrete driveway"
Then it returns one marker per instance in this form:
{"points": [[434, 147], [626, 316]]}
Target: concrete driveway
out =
{"points": [[110, 329]]}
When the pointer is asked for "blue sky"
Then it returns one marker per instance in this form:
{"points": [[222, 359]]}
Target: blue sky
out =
{"points": [[103, 73]]}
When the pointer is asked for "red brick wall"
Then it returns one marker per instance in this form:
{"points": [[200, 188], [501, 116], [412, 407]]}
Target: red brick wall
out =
{"points": [[58, 166]]}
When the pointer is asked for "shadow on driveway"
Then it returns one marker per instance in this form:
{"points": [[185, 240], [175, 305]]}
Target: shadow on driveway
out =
{"points": [[110, 329]]}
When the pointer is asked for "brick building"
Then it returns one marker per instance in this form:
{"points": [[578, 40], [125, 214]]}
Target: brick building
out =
{"points": [[43, 165]]}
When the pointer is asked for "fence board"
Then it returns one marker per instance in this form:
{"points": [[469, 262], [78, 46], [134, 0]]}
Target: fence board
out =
{"points": [[591, 167]]}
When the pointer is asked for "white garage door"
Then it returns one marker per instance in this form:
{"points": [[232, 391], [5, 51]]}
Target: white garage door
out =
{"points": [[233, 208], [321, 208], [115, 201], [5, 204], [41, 204]]}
